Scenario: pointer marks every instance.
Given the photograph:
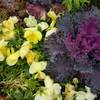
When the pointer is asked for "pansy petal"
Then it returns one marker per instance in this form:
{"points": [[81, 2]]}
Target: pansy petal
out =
{"points": [[37, 67], [12, 59]]}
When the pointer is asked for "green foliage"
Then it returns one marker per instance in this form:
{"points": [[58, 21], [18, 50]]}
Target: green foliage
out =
{"points": [[96, 3], [16, 82], [72, 5], [18, 41]]}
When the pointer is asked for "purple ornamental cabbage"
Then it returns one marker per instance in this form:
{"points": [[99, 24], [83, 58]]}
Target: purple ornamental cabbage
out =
{"points": [[86, 42]]}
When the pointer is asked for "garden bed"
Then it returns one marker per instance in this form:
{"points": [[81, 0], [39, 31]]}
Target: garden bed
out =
{"points": [[49, 49]]}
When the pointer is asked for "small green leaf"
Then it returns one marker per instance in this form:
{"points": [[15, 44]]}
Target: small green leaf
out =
{"points": [[76, 4]]}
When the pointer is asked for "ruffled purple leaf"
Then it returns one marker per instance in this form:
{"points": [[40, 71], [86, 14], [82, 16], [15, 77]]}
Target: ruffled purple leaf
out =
{"points": [[87, 41], [60, 66]]}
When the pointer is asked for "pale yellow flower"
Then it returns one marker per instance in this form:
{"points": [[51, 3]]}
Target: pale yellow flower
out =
{"points": [[32, 56], [43, 25], [48, 82], [78, 95], [3, 43], [51, 91], [13, 58], [52, 88], [3, 49], [33, 35], [37, 67], [69, 92], [8, 28], [50, 32], [30, 21], [25, 48], [41, 95], [88, 95]]}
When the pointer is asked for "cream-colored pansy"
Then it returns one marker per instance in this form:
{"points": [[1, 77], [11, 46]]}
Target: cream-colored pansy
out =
{"points": [[69, 92], [80, 95], [88, 95], [57, 89], [14, 19], [25, 48], [51, 90], [33, 35], [13, 58], [43, 25], [8, 28], [30, 21], [42, 95], [37, 67], [50, 32], [32, 56]]}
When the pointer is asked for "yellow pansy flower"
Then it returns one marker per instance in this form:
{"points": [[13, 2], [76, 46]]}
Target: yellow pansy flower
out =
{"points": [[3, 49], [41, 95], [25, 48], [32, 56], [13, 58], [8, 28], [9, 24], [51, 90], [33, 35], [88, 95], [8, 35], [69, 92], [37, 67], [48, 82]]}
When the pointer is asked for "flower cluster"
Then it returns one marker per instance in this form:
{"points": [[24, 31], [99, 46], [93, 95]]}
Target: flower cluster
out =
{"points": [[78, 95], [31, 35], [50, 91]]}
